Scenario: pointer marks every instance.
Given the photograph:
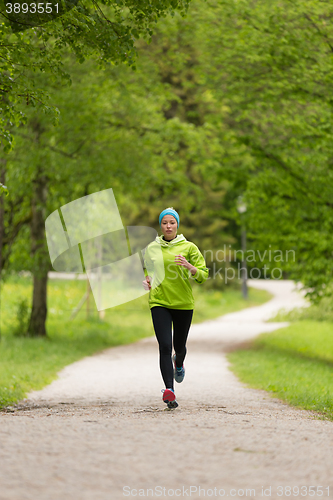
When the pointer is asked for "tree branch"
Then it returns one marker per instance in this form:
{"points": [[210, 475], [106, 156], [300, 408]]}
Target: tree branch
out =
{"points": [[319, 31]]}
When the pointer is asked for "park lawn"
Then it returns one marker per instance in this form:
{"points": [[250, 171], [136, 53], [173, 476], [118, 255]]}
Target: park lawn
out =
{"points": [[212, 304], [294, 363], [31, 363]]}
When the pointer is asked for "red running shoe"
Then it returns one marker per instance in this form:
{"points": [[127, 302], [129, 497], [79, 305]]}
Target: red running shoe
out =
{"points": [[169, 398]]}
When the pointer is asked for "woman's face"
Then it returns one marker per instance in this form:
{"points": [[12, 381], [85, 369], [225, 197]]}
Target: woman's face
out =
{"points": [[169, 227]]}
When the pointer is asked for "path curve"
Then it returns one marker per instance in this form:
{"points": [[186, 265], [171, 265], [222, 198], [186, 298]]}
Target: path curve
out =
{"points": [[101, 430]]}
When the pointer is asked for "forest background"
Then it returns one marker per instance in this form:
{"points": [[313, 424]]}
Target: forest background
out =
{"points": [[225, 99]]}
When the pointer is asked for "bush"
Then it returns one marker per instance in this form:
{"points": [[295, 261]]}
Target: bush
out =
{"points": [[315, 312], [221, 276], [22, 318]]}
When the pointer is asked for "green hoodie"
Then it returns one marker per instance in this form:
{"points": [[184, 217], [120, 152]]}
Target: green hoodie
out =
{"points": [[171, 285]]}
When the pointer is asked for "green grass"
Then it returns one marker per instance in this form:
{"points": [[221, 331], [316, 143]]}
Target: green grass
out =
{"points": [[316, 312], [212, 304], [294, 363], [31, 363]]}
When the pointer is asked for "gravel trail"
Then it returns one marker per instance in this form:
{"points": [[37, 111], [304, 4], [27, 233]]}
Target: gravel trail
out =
{"points": [[101, 430]]}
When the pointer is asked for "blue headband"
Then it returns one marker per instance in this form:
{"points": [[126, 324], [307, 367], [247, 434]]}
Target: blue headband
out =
{"points": [[169, 211]]}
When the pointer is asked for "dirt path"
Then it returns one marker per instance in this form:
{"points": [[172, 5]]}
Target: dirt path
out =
{"points": [[101, 431]]}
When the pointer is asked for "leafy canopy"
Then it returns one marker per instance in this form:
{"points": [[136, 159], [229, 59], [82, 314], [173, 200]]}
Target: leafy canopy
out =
{"points": [[105, 31]]}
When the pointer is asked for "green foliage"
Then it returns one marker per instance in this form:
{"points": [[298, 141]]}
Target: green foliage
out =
{"points": [[3, 189], [232, 99], [22, 317], [270, 66], [323, 311], [105, 32], [116, 120], [293, 363]]}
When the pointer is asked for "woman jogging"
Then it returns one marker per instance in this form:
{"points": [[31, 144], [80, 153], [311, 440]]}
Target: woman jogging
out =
{"points": [[170, 262]]}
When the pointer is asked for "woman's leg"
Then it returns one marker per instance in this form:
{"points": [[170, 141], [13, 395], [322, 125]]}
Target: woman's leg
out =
{"points": [[162, 322], [181, 319]]}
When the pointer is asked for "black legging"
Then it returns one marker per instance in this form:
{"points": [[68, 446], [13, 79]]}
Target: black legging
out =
{"points": [[162, 320]]}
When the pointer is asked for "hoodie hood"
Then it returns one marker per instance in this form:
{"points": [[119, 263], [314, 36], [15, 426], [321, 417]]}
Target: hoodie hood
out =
{"points": [[175, 241]]}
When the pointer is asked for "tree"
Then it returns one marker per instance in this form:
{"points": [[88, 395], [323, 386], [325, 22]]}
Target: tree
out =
{"points": [[270, 67], [106, 33], [114, 119]]}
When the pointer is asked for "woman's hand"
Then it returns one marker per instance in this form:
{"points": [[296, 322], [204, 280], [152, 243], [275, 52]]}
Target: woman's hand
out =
{"points": [[147, 283], [181, 261]]}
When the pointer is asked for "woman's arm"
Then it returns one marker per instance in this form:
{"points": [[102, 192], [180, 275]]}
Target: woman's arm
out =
{"points": [[181, 261], [198, 262]]}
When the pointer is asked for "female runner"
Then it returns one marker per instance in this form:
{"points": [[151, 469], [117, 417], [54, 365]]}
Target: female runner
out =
{"points": [[170, 262]]}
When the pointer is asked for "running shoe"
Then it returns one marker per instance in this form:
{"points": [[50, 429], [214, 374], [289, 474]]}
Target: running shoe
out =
{"points": [[169, 398], [178, 373]]}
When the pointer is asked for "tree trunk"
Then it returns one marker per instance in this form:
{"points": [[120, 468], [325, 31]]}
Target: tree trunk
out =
{"points": [[3, 162], [39, 307], [41, 259]]}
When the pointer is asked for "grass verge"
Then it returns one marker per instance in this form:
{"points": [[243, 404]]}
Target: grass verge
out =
{"points": [[294, 363], [31, 363]]}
